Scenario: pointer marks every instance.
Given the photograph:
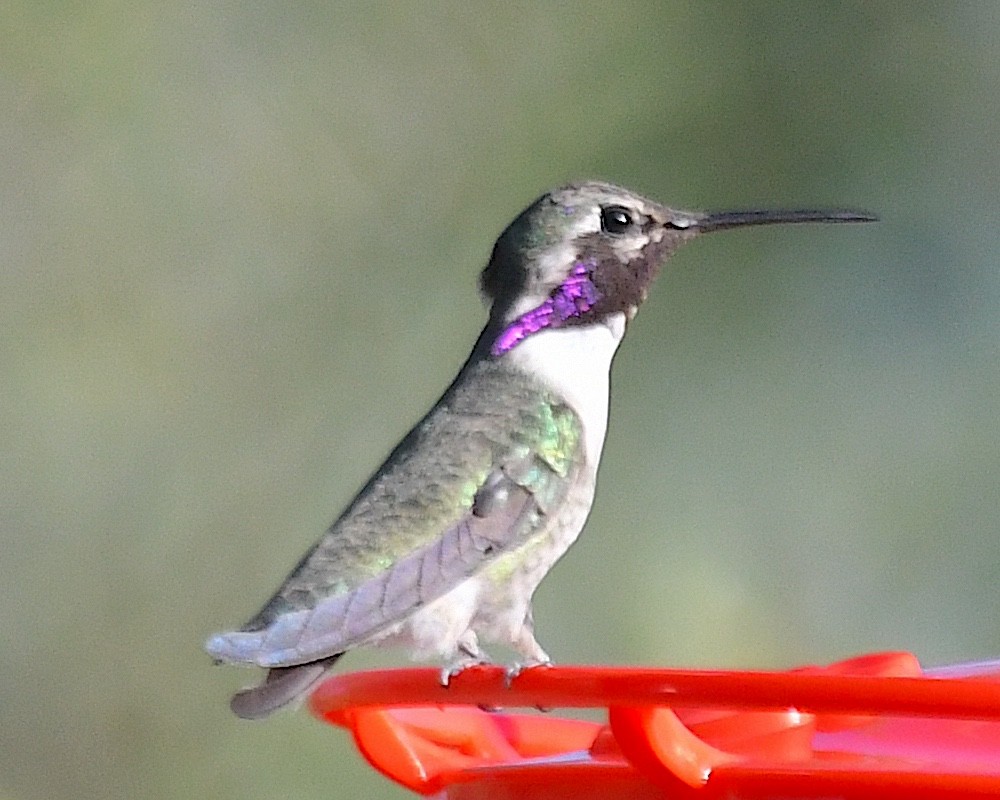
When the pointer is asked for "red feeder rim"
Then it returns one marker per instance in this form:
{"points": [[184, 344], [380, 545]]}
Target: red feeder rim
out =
{"points": [[872, 726]]}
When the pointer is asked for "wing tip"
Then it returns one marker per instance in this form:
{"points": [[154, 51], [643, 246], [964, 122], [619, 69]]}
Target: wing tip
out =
{"points": [[234, 647]]}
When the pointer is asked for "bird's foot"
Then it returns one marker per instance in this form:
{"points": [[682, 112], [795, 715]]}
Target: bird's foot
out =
{"points": [[517, 668], [457, 667]]}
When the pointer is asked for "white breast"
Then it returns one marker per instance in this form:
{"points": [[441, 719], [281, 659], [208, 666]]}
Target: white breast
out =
{"points": [[575, 363]]}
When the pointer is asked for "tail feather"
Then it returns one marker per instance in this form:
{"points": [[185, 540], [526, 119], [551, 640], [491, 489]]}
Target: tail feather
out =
{"points": [[281, 687]]}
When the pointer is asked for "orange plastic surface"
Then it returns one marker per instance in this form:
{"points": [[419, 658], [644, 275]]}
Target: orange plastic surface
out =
{"points": [[873, 726]]}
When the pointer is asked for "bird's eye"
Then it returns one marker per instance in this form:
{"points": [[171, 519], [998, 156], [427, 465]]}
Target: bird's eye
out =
{"points": [[615, 220]]}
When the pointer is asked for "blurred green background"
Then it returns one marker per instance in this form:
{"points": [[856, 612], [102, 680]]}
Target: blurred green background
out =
{"points": [[239, 254]]}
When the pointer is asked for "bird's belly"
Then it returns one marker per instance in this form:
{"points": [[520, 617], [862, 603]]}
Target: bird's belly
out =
{"points": [[432, 632]]}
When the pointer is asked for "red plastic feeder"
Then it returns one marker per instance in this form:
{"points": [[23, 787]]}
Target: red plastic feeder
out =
{"points": [[873, 726]]}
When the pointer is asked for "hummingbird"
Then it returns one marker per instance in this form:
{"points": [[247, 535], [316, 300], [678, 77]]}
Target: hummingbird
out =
{"points": [[448, 540]]}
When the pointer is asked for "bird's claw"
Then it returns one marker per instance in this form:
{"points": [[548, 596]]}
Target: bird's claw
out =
{"points": [[453, 670], [517, 668]]}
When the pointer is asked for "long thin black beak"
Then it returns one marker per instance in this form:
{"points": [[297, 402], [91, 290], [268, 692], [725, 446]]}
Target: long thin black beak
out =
{"points": [[721, 220]]}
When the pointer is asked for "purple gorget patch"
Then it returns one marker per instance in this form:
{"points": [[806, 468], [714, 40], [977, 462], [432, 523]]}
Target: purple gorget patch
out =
{"points": [[574, 296]]}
